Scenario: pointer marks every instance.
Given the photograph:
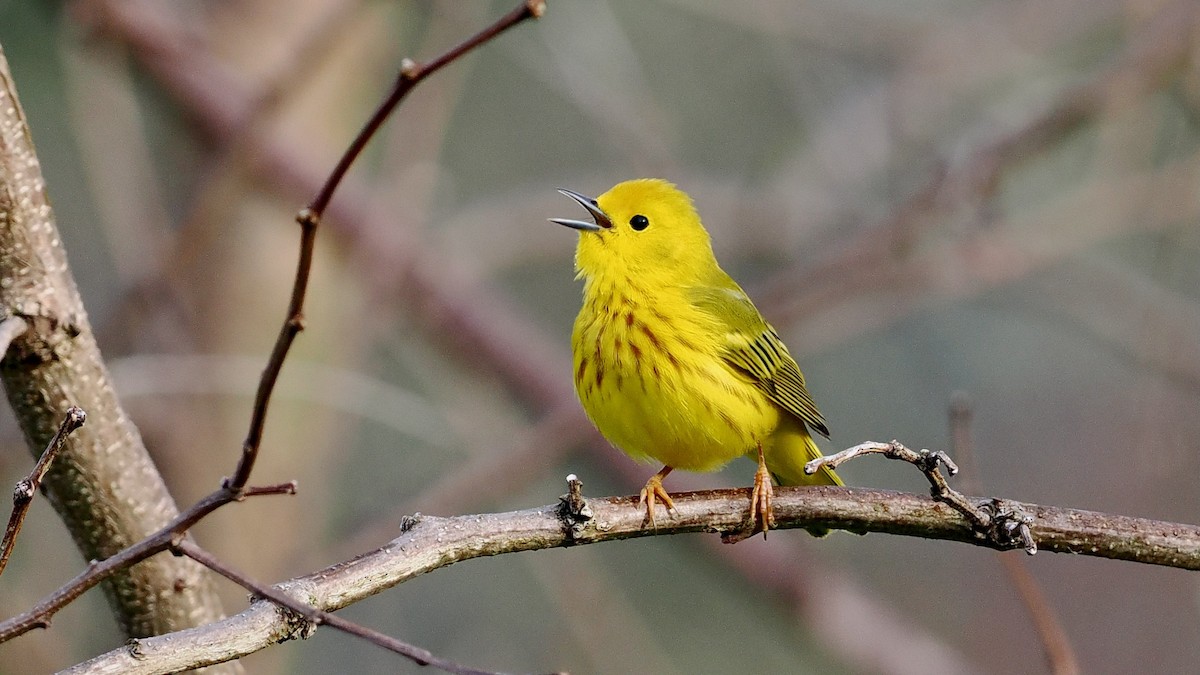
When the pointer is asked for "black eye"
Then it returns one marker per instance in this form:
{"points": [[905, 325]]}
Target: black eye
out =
{"points": [[639, 222]]}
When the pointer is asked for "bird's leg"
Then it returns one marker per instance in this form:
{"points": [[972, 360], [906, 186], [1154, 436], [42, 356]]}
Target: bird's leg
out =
{"points": [[654, 492], [760, 497]]}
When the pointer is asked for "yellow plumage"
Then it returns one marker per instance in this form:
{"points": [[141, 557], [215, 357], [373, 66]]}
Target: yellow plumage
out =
{"points": [[673, 363]]}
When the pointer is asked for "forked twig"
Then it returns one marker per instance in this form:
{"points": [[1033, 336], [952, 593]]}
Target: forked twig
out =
{"points": [[1001, 523], [27, 487], [317, 617], [97, 571]]}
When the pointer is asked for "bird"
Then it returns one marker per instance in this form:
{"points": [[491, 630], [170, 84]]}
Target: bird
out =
{"points": [[672, 361]]}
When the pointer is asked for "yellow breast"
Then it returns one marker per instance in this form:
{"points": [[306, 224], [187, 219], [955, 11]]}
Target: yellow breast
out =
{"points": [[650, 375]]}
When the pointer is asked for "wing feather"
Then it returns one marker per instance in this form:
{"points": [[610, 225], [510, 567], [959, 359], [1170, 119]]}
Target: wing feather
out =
{"points": [[753, 347]]}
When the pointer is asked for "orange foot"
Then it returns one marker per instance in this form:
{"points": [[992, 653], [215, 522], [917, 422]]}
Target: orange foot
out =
{"points": [[760, 498], [654, 492]]}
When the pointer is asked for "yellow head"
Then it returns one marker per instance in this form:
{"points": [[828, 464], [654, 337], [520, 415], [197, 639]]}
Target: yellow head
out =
{"points": [[645, 228]]}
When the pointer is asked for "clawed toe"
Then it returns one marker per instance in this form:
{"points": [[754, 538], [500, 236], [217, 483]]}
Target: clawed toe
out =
{"points": [[654, 492]]}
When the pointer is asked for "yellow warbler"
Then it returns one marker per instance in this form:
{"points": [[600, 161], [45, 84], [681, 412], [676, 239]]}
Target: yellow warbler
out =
{"points": [[673, 363]]}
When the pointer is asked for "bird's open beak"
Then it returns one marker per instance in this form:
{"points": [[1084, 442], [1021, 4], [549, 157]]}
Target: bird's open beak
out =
{"points": [[601, 218]]}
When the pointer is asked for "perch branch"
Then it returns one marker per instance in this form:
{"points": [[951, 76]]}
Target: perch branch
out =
{"points": [[428, 543], [27, 487]]}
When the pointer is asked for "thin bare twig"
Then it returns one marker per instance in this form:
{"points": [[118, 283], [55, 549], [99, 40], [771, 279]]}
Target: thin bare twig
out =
{"points": [[319, 617], [1059, 652], [158, 280], [411, 74], [1000, 522], [477, 320], [27, 487], [97, 571], [428, 543]]}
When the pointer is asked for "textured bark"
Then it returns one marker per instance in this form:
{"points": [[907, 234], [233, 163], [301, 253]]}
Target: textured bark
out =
{"points": [[428, 543], [104, 485]]}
